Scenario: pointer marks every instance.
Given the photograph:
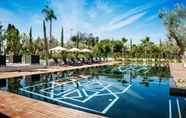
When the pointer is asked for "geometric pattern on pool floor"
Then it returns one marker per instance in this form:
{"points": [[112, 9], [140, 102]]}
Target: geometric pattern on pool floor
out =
{"points": [[93, 95]]}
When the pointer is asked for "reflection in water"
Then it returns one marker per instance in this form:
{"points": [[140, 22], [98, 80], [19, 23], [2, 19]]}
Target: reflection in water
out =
{"points": [[4, 84], [23, 82], [137, 100], [145, 80]]}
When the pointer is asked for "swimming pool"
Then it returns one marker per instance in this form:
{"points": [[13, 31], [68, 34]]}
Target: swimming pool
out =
{"points": [[117, 92]]}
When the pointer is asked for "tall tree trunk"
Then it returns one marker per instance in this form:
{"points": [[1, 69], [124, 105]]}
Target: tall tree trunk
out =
{"points": [[50, 30], [1, 40], [45, 42], [30, 41], [77, 39], [62, 38]]}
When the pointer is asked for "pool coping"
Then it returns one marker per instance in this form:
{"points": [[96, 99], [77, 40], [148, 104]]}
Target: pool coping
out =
{"points": [[14, 105], [50, 69]]}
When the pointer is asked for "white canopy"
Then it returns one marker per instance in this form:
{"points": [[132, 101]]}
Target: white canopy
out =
{"points": [[74, 50], [58, 49], [86, 50]]}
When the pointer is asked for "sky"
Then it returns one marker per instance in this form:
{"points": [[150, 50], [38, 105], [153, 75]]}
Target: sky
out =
{"points": [[133, 19]]}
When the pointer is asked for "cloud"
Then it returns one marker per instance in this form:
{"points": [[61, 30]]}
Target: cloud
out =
{"points": [[92, 13], [152, 17], [131, 16], [129, 13], [100, 7], [70, 15], [127, 21], [103, 6], [136, 11], [7, 16], [123, 20]]}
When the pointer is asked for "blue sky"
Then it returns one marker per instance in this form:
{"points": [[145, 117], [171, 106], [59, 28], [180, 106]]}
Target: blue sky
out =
{"points": [[133, 19]]}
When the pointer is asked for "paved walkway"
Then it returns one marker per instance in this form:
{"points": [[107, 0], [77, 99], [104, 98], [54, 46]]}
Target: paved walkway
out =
{"points": [[50, 69], [178, 72], [16, 106]]}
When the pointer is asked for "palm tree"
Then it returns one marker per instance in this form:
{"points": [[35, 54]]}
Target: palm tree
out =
{"points": [[45, 42], [49, 16]]}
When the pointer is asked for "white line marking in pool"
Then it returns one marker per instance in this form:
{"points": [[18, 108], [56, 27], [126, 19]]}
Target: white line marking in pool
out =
{"points": [[126, 89], [178, 105], [76, 90], [75, 85], [95, 94], [63, 102], [33, 85], [52, 91], [91, 96], [79, 83], [112, 103], [84, 91], [170, 109], [79, 93], [58, 93]]}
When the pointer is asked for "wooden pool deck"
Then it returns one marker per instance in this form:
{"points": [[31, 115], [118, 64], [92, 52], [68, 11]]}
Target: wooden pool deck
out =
{"points": [[178, 81], [50, 69], [16, 106]]}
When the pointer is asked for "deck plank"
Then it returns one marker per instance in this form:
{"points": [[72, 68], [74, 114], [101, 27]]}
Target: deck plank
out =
{"points": [[16, 106]]}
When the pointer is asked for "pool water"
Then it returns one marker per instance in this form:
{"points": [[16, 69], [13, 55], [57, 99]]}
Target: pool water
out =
{"points": [[115, 94]]}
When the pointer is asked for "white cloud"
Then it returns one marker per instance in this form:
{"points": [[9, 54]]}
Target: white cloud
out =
{"points": [[92, 13], [103, 6], [7, 16], [70, 14], [152, 17], [100, 7], [128, 13], [111, 27]]}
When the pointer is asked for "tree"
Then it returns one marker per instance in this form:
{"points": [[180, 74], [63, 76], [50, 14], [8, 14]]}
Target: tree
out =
{"points": [[25, 44], [30, 41], [45, 42], [76, 39], [174, 22], [13, 43], [49, 16], [62, 37], [147, 45], [38, 45], [124, 40], [1, 39], [53, 43], [103, 48]]}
